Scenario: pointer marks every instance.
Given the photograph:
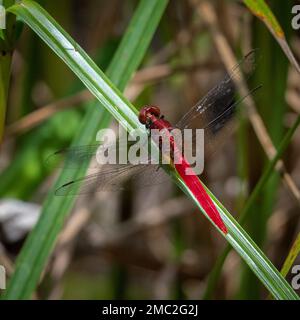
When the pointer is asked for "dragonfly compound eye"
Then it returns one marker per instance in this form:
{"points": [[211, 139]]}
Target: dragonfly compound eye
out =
{"points": [[147, 113]]}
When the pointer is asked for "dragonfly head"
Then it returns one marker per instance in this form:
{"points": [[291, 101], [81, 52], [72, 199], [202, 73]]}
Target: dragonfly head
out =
{"points": [[148, 114]]}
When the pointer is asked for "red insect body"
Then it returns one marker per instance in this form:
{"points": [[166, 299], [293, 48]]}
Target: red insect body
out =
{"points": [[196, 187], [216, 110], [150, 115]]}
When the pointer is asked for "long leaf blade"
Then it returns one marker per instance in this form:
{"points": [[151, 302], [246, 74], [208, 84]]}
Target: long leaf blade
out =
{"points": [[261, 10], [125, 113], [37, 248]]}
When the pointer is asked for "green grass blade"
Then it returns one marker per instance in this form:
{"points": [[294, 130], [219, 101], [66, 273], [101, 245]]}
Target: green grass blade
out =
{"points": [[5, 63], [272, 73], [37, 248], [7, 39], [290, 259], [78, 61], [260, 9], [216, 271], [254, 257]]}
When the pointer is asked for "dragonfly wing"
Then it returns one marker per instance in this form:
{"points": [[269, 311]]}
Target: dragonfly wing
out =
{"points": [[215, 113], [222, 127], [220, 98], [77, 156], [112, 178], [73, 157]]}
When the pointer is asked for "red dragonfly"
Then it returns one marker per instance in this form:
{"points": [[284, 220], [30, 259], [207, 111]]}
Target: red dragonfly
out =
{"points": [[215, 113]]}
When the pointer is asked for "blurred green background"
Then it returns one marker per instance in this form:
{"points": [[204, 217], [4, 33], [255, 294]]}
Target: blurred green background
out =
{"points": [[105, 251]]}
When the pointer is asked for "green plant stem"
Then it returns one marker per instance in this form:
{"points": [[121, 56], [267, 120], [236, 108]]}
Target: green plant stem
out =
{"points": [[40, 243], [272, 72], [216, 271], [290, 259], [6, 50], [5, 63]]}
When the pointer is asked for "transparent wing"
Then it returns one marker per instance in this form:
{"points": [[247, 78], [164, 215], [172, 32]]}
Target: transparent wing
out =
{"points": [[113, 177], [110, 176], [215, 113], [218, 130], [220, 98], [75, 157]]}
